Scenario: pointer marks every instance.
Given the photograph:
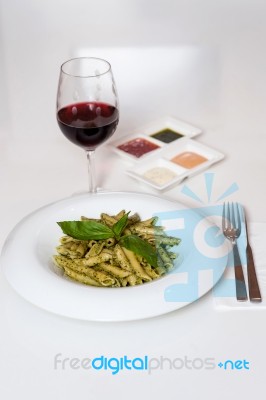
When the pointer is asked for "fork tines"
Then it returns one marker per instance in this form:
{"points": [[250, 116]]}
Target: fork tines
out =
{"points": [[231, 224], [231, 220]]}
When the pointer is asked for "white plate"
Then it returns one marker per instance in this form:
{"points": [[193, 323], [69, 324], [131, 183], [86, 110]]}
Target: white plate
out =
{"points": [[27, 262]]}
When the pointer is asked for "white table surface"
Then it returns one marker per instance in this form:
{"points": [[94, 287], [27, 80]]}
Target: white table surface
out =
{"points": [[40, 166]]}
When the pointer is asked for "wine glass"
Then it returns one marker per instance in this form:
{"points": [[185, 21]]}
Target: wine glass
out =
{"points": [[87, 105]]}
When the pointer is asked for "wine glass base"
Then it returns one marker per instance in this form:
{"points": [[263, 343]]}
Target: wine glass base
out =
{"points": [[81, 192]]}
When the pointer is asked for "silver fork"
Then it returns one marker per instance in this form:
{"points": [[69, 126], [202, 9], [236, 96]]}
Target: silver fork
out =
{"points": [[231, 224]]}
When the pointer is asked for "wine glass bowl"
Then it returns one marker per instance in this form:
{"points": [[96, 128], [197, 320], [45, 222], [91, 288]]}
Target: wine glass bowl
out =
{"points": [[87, 105]]}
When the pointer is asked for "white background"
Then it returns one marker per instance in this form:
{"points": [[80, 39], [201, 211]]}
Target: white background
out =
{"points": [[200, 61]]}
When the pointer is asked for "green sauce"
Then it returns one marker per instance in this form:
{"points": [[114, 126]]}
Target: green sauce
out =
{"points": [[167, 135]]}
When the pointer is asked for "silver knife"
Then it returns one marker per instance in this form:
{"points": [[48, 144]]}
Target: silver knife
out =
{"points": [[253, 286]]}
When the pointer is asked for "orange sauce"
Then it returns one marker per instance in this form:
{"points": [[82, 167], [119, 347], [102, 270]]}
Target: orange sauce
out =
{"points": [[189, 159]]}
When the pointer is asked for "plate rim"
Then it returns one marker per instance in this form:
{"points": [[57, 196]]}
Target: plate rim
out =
{"points": [[74, 199]]}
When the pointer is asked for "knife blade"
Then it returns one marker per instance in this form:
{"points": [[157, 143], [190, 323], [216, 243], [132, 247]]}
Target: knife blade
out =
{"points": [[253, 285]]}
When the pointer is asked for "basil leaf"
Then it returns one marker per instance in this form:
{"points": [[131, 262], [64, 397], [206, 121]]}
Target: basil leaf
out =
{"points": [[141, 247], [86, 230], [120, 225]]}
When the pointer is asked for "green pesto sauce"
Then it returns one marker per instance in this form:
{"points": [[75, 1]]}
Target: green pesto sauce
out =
{"points": [[167, 135]]}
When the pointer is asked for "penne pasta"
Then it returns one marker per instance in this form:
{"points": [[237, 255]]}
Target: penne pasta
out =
{"points": [[91, 261], [132, 280], [124, 282], [95, 250], [72, 249], [108, 219], [121, 258], [153, 230], [167, 240], [150, 271], [120, 214], [80, 277], [91, 243], [109, 242], [102, 277], [167, 261], [133, 219], [104, 262], [136, 267], [116, 271], [148, 222]]}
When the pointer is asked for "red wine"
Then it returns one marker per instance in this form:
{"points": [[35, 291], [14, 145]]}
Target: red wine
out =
{"points": [[88, 124]]}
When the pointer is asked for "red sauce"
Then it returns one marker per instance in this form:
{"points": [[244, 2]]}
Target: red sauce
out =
{"points": [[138, 147]]}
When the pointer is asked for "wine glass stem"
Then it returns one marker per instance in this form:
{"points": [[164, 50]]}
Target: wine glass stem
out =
{"points": [[91, 170]]}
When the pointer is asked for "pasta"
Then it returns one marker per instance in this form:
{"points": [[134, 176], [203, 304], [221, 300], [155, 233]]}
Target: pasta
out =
{"points": [[109, 262], [136, 267]]}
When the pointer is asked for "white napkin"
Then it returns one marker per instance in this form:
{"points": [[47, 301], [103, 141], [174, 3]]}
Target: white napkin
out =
{"points": [[224, 296]]}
